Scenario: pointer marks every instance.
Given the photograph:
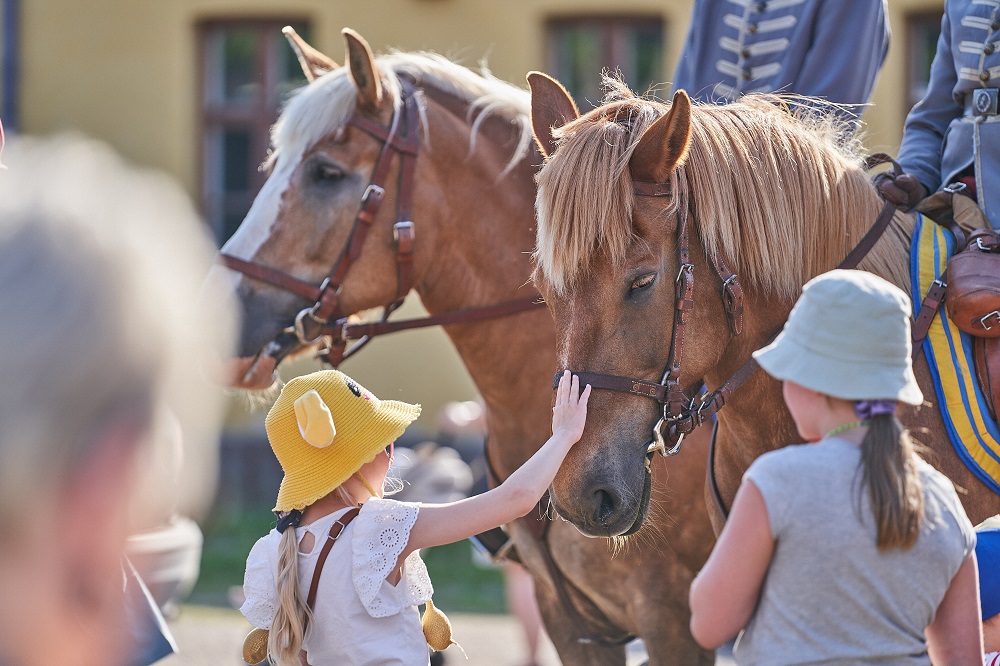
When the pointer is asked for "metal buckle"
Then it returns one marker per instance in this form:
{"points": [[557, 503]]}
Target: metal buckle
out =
{"points": [[399, 226], [995, 314], [954, 187], [984, 248], [681, 270], [300, 327], [372, 189], [984, 101]]}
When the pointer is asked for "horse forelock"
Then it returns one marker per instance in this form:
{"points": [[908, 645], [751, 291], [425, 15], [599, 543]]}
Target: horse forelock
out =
{"points": [[778, 195], [585, 199], [319, 109]]}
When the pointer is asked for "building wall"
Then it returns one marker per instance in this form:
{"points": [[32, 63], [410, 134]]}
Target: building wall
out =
{"points": [[127, 71]]}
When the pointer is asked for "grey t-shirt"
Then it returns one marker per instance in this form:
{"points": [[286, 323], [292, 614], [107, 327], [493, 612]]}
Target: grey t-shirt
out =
{"points": [[829, 595]]}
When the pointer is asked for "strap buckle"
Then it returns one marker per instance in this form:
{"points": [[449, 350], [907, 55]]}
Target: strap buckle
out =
{"points": [[301, 324], [995, 314], [372, 189]]}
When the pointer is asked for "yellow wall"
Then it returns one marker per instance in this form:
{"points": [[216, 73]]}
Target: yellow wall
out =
{"points": [[126, 71]]}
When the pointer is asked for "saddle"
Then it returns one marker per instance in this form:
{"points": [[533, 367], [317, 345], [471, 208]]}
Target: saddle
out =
{"points": [[959, 213]]}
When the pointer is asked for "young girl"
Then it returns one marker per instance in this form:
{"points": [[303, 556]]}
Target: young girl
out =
{"points": [[334, 441], [849, 549]]}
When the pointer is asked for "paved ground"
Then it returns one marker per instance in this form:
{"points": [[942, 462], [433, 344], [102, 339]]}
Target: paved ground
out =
{"points": [[213, 637]]}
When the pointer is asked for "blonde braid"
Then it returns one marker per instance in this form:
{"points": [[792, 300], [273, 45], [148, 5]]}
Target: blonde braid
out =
{"points": [[293, 616]]}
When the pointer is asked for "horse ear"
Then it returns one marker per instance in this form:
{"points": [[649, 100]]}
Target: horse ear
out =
{"points": [[363, 70], [551, 106], [664, 144], [314, 64]]}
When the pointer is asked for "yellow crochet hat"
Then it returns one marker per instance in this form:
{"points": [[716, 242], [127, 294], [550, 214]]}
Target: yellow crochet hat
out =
{"points": [[323, 428]]}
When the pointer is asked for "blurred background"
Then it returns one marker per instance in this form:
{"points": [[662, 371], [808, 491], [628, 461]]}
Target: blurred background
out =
{"points": [[190, 87]]}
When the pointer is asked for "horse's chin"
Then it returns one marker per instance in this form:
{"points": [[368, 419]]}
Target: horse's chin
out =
{"points": [[253, 373], [643, 508]]}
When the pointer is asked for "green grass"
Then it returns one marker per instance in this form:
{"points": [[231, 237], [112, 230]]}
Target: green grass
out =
{"points": [[459, 584]]}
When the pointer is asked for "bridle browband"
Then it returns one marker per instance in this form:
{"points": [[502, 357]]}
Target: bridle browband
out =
{"points": [[682, 413], [325, 318]]}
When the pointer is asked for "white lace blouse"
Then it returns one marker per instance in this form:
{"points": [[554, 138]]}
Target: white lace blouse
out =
{"points": [[359, 618]]}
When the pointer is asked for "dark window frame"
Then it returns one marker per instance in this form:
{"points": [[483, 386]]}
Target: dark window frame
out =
{"points": [[254, 117]]}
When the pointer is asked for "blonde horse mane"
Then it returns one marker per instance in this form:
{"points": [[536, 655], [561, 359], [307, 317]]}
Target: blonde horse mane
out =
{"points": [[318, 109], [780, 195]]}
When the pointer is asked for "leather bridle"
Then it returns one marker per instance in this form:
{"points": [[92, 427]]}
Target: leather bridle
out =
{"points": [[325, 318], [682, 413]]}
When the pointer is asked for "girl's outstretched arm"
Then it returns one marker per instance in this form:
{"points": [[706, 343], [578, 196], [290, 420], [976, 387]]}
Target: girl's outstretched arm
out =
{"points": [[439, 524]]}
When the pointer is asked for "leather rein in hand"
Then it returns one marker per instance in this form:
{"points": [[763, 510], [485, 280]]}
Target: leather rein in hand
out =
{"points": [[325, 318]]}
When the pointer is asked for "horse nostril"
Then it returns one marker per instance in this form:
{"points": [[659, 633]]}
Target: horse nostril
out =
{"points": [[605, 505]]}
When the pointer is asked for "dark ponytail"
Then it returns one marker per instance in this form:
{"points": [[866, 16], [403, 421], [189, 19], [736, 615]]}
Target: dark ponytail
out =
{"points": [[889, 472]]}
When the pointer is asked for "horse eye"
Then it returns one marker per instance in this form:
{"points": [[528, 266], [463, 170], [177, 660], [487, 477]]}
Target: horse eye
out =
{"points": [[642, 282], [328, 172]]}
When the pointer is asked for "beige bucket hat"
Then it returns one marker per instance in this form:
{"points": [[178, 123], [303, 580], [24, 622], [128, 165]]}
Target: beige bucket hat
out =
{"points": [[848, 336]]}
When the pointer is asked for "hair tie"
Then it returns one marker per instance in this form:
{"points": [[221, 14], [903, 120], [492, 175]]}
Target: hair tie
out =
{"points": [[866, 409], [289, 519]]}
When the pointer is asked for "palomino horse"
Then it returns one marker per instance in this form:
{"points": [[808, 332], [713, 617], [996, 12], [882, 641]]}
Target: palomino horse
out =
{"points": [[471, 198], [642, 208]]}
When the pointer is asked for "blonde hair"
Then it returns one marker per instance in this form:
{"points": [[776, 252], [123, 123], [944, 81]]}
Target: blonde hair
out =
{"points": [[100, 271], [292, 619], [293, 616], [889, 472]]}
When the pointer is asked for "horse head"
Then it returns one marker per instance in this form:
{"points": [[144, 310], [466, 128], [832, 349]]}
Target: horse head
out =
{"points": [[672, 242], [334, 180]]}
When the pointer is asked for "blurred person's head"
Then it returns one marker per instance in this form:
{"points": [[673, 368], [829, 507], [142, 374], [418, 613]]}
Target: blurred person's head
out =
{"points": [[100, 268]]}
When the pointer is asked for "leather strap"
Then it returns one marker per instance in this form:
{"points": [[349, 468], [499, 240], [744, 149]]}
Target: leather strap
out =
{"points": [[335, 531], [928, 308], [356, 331], [272, 276]]}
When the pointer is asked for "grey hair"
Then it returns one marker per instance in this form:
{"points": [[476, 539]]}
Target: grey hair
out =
{"points": [[100, 274]]}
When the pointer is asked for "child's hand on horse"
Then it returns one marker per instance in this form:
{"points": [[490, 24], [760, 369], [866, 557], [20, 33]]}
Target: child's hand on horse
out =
{"points": [[569, 414]]}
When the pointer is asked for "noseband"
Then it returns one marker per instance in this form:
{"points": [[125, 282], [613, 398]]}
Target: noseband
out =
{"points": [[324, 317]]}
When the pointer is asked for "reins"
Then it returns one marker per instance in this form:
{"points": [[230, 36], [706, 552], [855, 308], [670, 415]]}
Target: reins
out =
{"points": [[325, 318], [681, 413]]}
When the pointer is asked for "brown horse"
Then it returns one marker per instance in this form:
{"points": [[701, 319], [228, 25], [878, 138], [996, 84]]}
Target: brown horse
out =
{"points": [[472, 210], [778, 196]]}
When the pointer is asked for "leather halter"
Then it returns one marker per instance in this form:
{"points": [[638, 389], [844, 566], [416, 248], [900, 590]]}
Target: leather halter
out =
{"points": [[681, 413], [324, 317]]}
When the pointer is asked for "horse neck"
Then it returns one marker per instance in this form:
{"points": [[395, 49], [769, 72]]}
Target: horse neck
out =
{"points": [[484, 234]]}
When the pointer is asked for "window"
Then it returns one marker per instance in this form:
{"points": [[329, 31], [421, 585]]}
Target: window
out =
{"points": [[248, 71], [579, 48], [922, 31]]}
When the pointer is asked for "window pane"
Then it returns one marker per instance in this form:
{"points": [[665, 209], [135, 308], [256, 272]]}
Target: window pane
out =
{"points": [[579, 49], [647, 51], [232, 76], [236, 160], [923, 31], [579, 57]]}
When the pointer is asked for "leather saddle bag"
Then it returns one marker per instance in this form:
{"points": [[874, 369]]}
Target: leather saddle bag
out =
{"points": [[973, 291]]}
